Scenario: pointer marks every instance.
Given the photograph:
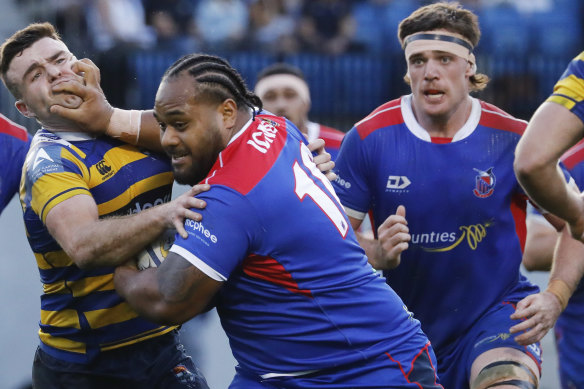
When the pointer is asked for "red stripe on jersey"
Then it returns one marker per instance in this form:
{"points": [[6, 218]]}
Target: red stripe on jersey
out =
{"points": [[332, 137], [268, 269], [518, 206], [243, 163], [440, 139], [385, 115], [496, 118], [8, 127], [574, 156]]}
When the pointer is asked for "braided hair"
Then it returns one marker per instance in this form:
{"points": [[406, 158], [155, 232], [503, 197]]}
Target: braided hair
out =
{"points": [[216, 79]]}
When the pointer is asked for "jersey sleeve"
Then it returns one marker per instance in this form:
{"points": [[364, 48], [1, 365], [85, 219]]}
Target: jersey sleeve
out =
{"points": [[14, 154], [54, 174], [351, 182], [222, 239], [569, 90]]}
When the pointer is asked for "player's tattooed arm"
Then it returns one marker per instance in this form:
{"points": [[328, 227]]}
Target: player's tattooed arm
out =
{"points": [[171, 294]]}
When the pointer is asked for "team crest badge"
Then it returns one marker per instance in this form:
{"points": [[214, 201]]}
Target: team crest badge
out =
{"points": [[484, 183]]}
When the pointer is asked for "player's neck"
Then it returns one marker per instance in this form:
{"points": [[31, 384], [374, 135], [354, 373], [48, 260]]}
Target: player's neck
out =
{"points": [[445, 125]]}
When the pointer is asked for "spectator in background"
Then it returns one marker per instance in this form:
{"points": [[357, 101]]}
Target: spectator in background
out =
{"points": [[173, 24], [272, 28], [117, 28], [284, 92], [326, 26], [221, 24]]}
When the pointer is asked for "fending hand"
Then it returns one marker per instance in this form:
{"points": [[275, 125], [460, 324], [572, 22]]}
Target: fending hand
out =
{"points": [[94, 113], [181, 208]]}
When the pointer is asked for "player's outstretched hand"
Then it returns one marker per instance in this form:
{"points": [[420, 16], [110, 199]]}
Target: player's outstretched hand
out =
{"points": [[179, 209], [540, 311], [322, 159], [94, 113], [394, 236]]}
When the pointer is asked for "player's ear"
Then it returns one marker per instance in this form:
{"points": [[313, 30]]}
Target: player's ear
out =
{"points": [[23, 109], [228, 110]]}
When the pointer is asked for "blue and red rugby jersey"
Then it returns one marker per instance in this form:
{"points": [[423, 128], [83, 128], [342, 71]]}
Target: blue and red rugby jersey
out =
{"points": [[464, 207], [299, 294], [14, 142]]}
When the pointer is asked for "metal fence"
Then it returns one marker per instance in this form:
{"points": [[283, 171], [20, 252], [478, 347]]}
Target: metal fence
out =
{"points": [[346, 88]]}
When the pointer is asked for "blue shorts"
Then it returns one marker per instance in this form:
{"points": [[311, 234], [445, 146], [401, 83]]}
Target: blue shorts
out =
{"points": [[159, 362], [570, 345], [413, 369], [491, 331]]}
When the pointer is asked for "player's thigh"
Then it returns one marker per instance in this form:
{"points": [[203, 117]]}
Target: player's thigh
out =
{"points": [[504, 368]]}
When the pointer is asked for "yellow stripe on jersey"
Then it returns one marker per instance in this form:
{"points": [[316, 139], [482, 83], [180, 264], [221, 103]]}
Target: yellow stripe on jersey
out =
{"points": [[124, 155], [580, 56], [50, 190], [104, 317], [143, 336], [568, 92], [134, 190], [52, 259], [65, 318], [62, 343], [82, 287]]}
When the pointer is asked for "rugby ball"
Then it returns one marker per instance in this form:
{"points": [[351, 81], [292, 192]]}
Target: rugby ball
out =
{"points": [[156, 252]]}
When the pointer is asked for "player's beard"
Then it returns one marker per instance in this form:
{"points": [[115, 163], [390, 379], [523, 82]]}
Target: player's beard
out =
{"points": [[200, 164]]}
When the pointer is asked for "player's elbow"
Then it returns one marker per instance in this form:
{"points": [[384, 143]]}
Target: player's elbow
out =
{"points": [[81, 256], [164, 313], [527, 165]]}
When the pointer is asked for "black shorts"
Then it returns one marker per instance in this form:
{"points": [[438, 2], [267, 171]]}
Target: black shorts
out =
{"points": [[159, 362]]}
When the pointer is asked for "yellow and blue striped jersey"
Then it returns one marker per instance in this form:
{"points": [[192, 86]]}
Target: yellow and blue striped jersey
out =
{"points": [[81, 313], [569, 90]]}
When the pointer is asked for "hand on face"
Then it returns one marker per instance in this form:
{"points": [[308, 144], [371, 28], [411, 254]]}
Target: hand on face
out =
{"points": [[84, 104]]}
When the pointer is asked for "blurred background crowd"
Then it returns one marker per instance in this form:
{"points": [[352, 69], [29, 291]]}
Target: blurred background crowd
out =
{"points": [[348, 49]]}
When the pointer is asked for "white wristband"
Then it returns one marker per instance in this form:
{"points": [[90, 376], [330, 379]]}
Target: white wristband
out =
{"points": [[125, 125]]}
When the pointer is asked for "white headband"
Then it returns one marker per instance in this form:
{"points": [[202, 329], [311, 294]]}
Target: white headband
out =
{"points": [[283, 80], [439, 40]]}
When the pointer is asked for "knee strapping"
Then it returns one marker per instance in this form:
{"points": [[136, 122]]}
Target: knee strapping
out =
{"points": [[505, 373]]}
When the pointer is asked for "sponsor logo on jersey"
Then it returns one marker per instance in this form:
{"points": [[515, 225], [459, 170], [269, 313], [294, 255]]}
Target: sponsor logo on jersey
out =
{"points": [[343, 183], [104, 169], [263, 137], [493, 338], [41, 156], [484, 183], [472, 234], [203, 233], [138, 207], [397, 183]]}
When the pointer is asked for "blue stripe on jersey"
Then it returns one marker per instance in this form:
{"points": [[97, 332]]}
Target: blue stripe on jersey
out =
{"points": [[139, 170], [96, 300], [70, 273], [59, 194]]}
